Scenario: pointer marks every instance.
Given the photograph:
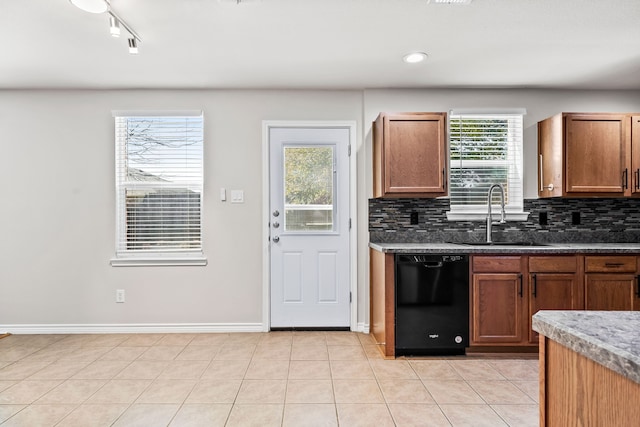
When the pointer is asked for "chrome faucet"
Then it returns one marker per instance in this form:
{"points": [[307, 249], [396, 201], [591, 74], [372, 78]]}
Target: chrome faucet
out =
{"points": [[502, 213]]}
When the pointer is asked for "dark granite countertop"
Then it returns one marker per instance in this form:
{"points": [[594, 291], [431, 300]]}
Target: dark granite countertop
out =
{"points": [[548, 248], [610, 338]]}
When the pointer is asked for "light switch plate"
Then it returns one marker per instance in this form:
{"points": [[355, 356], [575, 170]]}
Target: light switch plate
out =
{"points": [[237, 196]]}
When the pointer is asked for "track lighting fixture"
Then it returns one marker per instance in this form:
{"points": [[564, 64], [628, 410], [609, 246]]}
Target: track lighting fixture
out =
{"points": [[115, 21], [133, 46], [114, 26]]}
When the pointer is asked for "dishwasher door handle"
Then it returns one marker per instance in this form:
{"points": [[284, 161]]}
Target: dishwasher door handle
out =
{"points": [[434, 264]]}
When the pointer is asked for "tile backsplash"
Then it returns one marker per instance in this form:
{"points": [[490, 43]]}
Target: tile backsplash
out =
{"points": [[567, 220]]}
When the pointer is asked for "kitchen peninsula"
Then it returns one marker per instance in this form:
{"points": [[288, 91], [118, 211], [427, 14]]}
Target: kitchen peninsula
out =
{"points": [[589, 367]]}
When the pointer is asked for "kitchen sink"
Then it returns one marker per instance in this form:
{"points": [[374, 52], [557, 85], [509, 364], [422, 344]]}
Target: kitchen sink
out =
{"points": [[499, 243]]}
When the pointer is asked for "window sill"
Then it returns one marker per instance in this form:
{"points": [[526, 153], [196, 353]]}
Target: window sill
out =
{"points": [[482, 216], [164, 261]]}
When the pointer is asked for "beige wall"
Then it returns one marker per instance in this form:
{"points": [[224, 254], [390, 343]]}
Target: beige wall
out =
{"points": [[57, 174], [58, 206]]}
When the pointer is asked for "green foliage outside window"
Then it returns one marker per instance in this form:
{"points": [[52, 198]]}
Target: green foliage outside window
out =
{"points": [[308, 175]]}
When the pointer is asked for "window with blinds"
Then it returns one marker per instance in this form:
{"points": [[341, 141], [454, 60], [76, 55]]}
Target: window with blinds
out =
{"points": [[159, 185], [485, 149]]}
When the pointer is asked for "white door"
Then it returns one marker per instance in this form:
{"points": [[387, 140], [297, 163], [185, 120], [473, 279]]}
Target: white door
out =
{"points": [[309, 227]]}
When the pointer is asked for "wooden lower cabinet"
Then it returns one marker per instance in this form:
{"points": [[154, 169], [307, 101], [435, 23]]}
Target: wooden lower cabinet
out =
{"points": [[382, 300], [611, 292], [497, 308], [555, 283], [612, 283], [506, 291], [498, 303]]}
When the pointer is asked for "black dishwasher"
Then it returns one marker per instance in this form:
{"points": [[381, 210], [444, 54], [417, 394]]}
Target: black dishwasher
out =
{"points": [[432, 304]]}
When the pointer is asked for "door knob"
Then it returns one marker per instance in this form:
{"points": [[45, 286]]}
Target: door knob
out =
{"points": [[276, 239], [276, 213]]}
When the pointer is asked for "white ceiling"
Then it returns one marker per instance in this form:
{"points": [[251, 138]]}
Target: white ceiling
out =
{"points": [[335, 44]]}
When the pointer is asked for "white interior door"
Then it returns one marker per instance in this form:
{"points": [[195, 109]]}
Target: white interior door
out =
{"points": [[309, 227]]}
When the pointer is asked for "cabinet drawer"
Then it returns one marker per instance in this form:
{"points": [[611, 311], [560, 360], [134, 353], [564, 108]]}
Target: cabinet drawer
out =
{"points": [[610, 264], [496, 264], [553, 264]]}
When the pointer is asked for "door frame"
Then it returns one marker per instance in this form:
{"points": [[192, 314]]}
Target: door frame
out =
{"points": [[266, 230]]}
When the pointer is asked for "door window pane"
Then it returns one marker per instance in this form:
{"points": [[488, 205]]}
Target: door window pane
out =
{"points": [[308, 188]]}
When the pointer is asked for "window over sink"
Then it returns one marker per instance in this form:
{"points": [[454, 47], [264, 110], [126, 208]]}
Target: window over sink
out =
{"points": [[485, 148]]}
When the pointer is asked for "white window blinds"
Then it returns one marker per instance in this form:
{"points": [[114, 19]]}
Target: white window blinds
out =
{"points": [[159, 184], [485, 149]]}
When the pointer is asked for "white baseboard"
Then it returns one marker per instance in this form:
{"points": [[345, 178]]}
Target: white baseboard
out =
{"points": [[363, 327], [130, 328]]}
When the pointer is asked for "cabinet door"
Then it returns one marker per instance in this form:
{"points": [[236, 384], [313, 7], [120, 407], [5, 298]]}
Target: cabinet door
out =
{"points": [[611, 292], [595, 150], [553, 291], [496, 310], [635, 154], [550, 158], [414, 154]]}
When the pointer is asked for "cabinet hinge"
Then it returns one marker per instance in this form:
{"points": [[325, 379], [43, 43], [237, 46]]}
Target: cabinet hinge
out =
{"points": [[349, 297], [349, 223], [349, 150]]}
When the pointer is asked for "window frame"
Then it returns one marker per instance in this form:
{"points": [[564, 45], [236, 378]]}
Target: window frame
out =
{"points": [[161, 257], [515, 207]]}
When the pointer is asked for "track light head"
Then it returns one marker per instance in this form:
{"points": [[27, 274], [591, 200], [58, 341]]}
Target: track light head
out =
{"points": [[114, 26], [91, 6], [115, 21], [133, 46]]}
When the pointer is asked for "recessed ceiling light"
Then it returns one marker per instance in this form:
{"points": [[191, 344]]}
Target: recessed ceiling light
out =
{"points": [[414, 57], [91, 6]]}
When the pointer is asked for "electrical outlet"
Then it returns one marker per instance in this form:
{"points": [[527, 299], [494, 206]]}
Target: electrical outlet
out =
{"points": [[543, 218], [414, 218], [119, 295], [575, 218]]}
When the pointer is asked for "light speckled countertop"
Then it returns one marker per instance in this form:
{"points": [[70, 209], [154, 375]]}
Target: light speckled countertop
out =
{"points": [[548, 248], [610, 338]]}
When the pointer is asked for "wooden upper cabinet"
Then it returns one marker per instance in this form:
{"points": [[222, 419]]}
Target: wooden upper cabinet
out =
{"points": [[584, 155], [596, 155], [550, 156], [409, 155], [635, 154]]}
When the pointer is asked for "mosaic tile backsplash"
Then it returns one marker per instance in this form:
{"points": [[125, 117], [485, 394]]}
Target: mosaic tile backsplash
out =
{"points": [[600, 220]]}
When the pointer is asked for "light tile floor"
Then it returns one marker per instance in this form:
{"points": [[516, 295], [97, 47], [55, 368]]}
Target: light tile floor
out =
{"points": [[253, 379]]}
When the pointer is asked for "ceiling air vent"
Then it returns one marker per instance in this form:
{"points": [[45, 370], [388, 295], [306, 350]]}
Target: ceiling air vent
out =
{"points": [[450, 1]]}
